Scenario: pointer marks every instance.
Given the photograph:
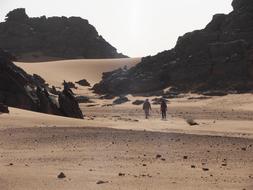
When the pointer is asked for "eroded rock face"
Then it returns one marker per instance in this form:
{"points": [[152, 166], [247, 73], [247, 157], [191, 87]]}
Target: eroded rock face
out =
{"points": [[58, 37], [219, 57], [20, 90], [69, 105]]}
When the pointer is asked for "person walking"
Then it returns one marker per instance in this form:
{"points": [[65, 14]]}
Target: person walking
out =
{"points": [[163, 109], [147, 108]]}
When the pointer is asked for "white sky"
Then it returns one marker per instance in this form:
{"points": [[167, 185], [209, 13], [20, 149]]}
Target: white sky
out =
{"points": [[135, 27]]}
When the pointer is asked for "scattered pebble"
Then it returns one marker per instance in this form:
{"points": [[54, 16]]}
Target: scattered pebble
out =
{"points": [[61, 175], [122, 174], [101, 182], [205, 169]]}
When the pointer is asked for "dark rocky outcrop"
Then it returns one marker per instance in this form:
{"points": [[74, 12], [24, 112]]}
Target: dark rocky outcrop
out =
{"points": [[217, 58], [69, 105], [4, 108], [20, 90], [121, 100], [83, 82], [58, 37]]}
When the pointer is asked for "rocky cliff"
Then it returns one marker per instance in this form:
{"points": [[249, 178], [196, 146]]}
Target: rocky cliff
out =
{"points": [[219, 57], [58, 37]]}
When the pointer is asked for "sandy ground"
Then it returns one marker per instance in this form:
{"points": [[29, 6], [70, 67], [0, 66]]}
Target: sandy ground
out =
{"points": [[74, 70], [118, 147]]}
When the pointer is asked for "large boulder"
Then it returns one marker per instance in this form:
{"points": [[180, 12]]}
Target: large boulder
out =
{"points": [[69, 105]]}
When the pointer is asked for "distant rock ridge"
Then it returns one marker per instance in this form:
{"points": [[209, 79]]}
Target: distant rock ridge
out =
{"points": [[59, 37], [219, 57]]}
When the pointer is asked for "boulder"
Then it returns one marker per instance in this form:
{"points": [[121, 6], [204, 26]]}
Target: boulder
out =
{"points": [[83, 82], [4, 108], [121, 100], [68, 105]]}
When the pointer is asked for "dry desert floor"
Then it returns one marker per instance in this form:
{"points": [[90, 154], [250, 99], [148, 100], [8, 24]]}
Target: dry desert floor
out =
{"points": [[114, 147]]}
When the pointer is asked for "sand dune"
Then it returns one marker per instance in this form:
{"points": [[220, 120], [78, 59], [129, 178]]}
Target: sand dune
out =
{"points": [[73, 70]]}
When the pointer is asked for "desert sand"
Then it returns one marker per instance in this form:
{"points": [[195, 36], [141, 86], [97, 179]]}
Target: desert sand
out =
{"points": [[114, 147]]}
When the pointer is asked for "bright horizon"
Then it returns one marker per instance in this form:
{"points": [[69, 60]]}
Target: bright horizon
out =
{"points": [[135, 27]]}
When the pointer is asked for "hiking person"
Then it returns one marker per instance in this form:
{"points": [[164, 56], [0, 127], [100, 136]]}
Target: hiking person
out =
{"points": [[147, 108], [163, 109]]}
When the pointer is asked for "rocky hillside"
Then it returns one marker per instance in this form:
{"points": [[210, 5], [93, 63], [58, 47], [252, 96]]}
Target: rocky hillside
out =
{"points": [[60, 37], [20, 90], [219, 57]]}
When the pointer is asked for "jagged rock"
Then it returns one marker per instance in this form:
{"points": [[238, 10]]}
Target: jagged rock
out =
{"points": [[219, 57], [83, 82], [58, 37], [68, 104], [20, 90], [4, 108], [69, 84]]}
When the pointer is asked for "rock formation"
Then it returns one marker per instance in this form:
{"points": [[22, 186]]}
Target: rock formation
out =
{"points": [[58, 37], [20, 90], [219, 57]]}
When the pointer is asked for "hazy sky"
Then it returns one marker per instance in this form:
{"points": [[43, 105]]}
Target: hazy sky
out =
{"points": [[134, 27]]}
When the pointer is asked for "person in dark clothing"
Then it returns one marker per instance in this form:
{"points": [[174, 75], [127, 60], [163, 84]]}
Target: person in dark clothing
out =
{"points": [[163, 109], [147, 108]]}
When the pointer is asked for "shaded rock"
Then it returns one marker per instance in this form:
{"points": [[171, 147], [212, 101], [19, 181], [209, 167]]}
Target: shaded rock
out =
{"points": [[101, 182], [107, 97], [138, 102], [20, 90], [69, 84], [83, 82], [69, 105], [157, 101], [217, 59], [191, 122], [158, 156], [4, 108], [122, 174], [57, 37], [121, 100], [61, 175]]}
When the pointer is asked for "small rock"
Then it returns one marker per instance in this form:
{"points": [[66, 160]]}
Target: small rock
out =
{"points": [[158, 156], [122, 174], [205, 169], [61, 175], [191, 122], [101, 182], [185, 157]]}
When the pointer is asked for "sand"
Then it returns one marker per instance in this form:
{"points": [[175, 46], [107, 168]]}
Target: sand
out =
{"points": [[114, 147], [74, 70]]}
